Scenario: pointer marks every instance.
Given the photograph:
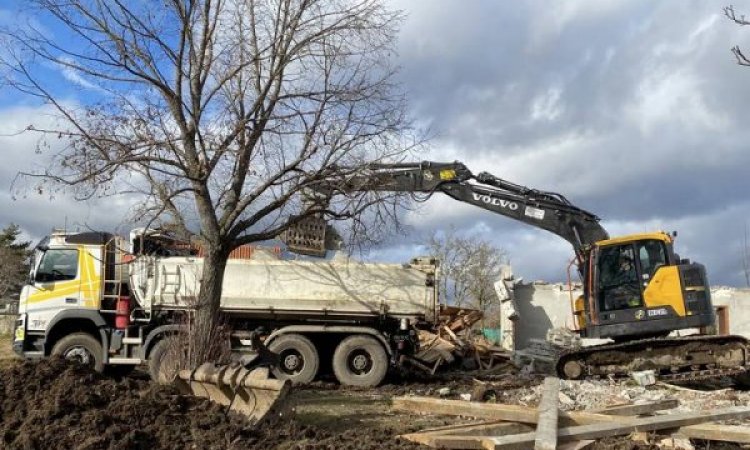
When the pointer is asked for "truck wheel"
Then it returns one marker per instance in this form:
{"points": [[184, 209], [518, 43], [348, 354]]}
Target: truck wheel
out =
{"points": [[298, 358], [162, 366], [360, 361], [81, 347]]}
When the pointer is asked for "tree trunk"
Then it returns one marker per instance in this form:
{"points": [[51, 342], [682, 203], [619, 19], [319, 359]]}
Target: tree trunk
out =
{"points": [[206, 341]]}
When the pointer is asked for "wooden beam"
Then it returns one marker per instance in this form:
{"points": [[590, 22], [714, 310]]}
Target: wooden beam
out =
{"points": [[449, 429], [597, 431], [466, 438], [546, 427], [498, 413], [639, 409], [491, 411], [712, 432]]}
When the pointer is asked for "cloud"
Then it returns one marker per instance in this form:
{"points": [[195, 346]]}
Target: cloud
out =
{"points": [[66, 67], [37, 214], [632, 109]]}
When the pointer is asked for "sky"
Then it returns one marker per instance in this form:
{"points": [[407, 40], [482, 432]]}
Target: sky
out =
{"points": [[633, 109]]}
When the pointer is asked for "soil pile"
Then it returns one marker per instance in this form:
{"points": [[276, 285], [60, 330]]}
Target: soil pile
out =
{"points": [[57, 404]]}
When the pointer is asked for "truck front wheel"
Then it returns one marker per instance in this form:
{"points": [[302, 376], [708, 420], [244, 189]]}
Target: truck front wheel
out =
{"points": [[360, 361], [298, 358], [82, 348], [164, 360]]}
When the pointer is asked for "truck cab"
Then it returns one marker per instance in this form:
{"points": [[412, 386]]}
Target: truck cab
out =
{"points": [[74, 285]]}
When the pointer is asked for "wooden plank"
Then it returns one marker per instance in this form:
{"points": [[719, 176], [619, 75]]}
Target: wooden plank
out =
{"points": [[454, 438], [713, 432], [492, 411], [597, 431], [546, 427], [498, 412], [458, 428], [515, 413], [576, 445], [639, 409]]}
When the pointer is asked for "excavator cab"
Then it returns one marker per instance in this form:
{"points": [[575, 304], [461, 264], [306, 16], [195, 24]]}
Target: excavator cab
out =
{"points": [[637, 287]]}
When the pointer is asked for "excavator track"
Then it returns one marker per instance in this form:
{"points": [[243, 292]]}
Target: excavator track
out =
{"points": [[678, 359]]}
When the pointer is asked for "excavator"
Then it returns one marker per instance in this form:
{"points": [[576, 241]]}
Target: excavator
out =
{"points": [[636, 289]]}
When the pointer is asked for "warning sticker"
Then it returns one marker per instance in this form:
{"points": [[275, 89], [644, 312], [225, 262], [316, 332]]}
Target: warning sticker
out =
{"points": [[534, 213]]}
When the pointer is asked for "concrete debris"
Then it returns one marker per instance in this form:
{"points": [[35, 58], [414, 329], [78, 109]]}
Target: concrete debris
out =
{"points": [[565, 400], [539, 357], [444, 392], [564, 338], [675, 443], [644, 377], [465, 397]]}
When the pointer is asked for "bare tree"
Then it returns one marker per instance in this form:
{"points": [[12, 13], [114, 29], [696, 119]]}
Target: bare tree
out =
{"points": [[742, 60], [449, 249], [218, 112], [739, 20], [469, 268]]}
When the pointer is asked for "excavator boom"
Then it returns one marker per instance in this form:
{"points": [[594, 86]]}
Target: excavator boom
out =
{"points": [[547, 210]]}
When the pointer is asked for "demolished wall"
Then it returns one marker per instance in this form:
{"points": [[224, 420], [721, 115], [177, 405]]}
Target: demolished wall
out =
{"points": [[737, 302]]}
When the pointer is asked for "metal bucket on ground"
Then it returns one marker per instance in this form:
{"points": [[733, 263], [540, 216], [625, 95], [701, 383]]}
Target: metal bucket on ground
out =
{"points": [[248, 392]]}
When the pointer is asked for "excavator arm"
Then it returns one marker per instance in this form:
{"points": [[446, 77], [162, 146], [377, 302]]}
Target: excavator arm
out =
{"points": [[547, 210]]}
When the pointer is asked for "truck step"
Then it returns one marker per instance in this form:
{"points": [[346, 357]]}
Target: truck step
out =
{"points": [[125, 360], [132, 341]]}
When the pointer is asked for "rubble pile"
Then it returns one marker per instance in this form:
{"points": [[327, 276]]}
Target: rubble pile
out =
{"points": [[451, 343]]}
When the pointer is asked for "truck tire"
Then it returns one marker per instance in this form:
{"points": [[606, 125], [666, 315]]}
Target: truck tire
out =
{"points": [[360, 360], [83, 348], [298, 358], [161, 368]]}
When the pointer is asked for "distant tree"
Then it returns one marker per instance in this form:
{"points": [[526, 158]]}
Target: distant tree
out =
{"points": [[739, 20], [219, 113], [742, 60], [14, 256], [469, 267]]}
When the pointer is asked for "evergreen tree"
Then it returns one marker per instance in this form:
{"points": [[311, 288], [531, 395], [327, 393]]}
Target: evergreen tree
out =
{"points": [[14, 261]]}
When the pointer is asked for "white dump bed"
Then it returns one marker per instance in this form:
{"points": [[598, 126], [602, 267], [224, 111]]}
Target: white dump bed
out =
{"points": [[286, 289]]}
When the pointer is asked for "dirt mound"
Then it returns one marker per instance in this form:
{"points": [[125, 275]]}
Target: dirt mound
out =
{"points": [[56, 404]]}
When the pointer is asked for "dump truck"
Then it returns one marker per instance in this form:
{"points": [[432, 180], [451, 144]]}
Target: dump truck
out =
{"points": [[113, 303]]}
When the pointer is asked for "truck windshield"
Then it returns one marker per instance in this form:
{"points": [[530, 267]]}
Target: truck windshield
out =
{"points": [[58, 265]]}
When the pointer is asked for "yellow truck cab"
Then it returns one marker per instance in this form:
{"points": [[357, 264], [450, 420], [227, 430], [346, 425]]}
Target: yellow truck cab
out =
{"points": [[75, 283]]}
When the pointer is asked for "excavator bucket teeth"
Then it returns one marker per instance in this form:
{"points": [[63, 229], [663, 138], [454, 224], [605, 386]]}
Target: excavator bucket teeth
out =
{"points": [[307, 237], [248, 392]]}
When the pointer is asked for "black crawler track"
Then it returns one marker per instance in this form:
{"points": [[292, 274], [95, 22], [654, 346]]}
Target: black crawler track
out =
{"points": [[688, 358]]}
